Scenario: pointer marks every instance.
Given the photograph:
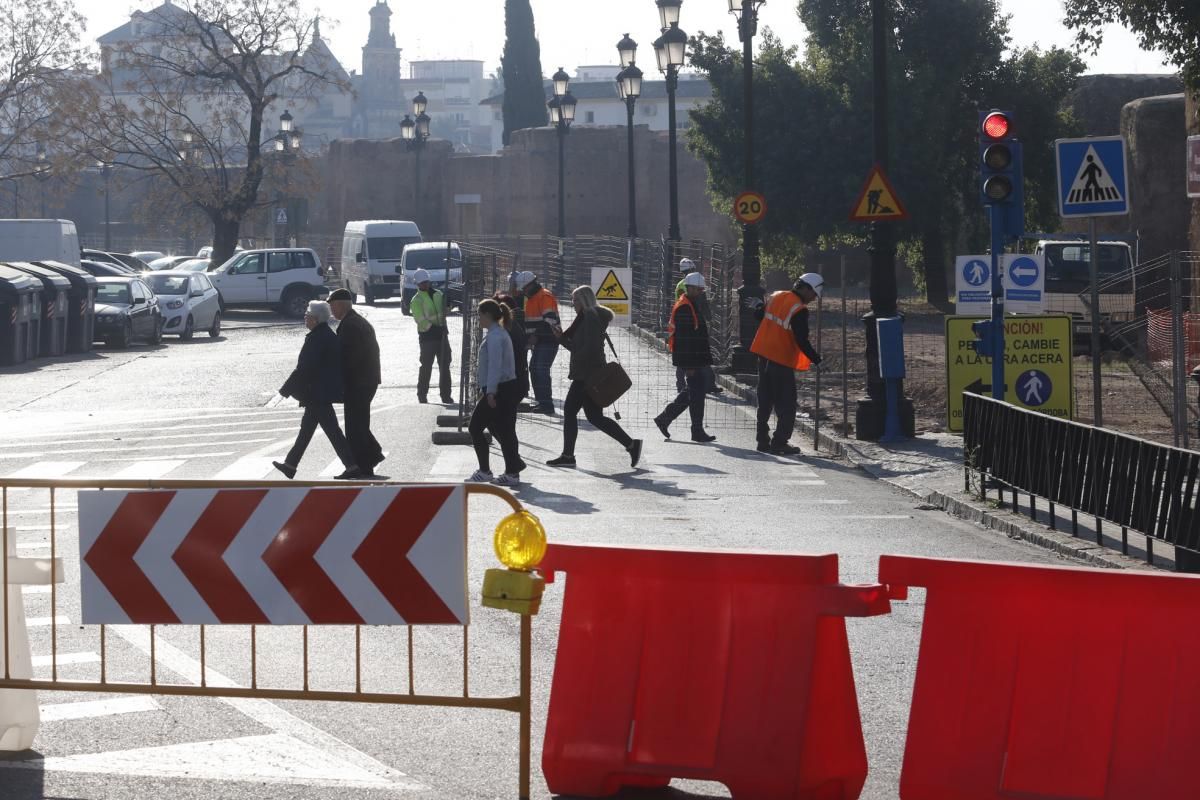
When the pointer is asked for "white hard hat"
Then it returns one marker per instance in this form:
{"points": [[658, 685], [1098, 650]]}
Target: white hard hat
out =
{"points": [[686, 265], [815, 282], [526, 279], [420, 276], [694, 279]]}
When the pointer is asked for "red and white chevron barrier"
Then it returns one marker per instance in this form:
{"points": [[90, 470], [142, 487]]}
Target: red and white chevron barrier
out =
{"points": [[380, 555]]}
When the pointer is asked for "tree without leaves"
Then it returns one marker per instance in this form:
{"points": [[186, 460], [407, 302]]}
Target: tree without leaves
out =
{"points": [[188, 103], [521, 66]]}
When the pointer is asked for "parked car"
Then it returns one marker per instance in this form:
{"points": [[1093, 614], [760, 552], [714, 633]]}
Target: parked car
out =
{"points": [[431, 257], [105, 269], [148, 255], [286, 278], [193, 265], [371, 253], [169, 262], [126, 309], [188, 302], [135, 264], [101, 257], [207, 251]]}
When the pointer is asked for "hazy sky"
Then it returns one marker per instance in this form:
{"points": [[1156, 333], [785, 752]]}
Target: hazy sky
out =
{"points": [[574, 32]]}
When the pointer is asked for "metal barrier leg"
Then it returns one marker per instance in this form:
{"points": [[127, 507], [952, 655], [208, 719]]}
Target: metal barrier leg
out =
{"points": [[526, 701]]}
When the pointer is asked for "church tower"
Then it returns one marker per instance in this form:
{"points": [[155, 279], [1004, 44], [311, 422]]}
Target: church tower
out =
{"points": [[380, 96]]}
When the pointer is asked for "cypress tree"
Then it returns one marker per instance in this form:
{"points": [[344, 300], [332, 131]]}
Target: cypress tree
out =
{"points": [[521, 65]]}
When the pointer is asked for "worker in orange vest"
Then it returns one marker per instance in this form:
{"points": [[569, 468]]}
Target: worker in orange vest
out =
{"points": [[783, 348], [687, 339], [541, 318]]}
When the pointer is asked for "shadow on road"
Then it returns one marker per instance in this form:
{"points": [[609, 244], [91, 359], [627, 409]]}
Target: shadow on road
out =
{"points": [[26, 781], [552, 501]]}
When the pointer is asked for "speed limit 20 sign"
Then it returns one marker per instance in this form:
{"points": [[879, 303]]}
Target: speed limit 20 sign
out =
{"points": [[749, 207]]}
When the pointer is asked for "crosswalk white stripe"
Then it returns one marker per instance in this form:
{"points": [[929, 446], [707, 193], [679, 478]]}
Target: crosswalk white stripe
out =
{"points": [[139, 448], [64, 659], [46, 622], [149, 425], [58, 712], [35, 590], [148, 469], [249, 468], [224, 432], [47, 469], [334, 468]]}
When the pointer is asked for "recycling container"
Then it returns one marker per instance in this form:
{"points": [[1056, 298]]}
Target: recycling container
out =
{"points": [[81, 303], [53, 339], [18, 293]]}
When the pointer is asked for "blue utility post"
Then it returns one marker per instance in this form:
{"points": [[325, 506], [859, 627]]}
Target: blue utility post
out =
{"points": [[997, 329]]}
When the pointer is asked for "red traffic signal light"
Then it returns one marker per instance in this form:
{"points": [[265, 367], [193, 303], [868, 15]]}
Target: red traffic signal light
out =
{"points": [[996, 125]]}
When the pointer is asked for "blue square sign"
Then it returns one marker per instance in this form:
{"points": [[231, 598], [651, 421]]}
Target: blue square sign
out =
{"points": [[1092, 177]]}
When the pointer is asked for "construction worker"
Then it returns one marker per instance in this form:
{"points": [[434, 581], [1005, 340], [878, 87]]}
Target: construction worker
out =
{"points": [[783, 348], [688, 267], [541, 318], [690, 351], [428, 308]]}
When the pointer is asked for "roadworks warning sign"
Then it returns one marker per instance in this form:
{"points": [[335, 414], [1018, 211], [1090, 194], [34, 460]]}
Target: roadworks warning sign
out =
{"points": [[612, 291], [1037, 365]]}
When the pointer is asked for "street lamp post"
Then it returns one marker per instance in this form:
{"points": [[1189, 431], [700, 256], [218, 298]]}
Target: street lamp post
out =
{"points": [[629, 86], [750, 294], [671, 51], [106, 172], [415, 133], [42, 172], [562, 114], [288, 142]]}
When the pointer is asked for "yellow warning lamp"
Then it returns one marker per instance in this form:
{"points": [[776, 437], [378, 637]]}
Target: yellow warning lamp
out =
{"points": [[520, 544]]}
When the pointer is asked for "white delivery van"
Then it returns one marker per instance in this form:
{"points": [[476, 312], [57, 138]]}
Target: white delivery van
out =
{"points": [[39, 240], [443, 262], [371, 251]]}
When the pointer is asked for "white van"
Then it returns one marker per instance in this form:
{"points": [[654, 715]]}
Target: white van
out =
{"points": [[371, 252], [1068, 282], [39, 240]]}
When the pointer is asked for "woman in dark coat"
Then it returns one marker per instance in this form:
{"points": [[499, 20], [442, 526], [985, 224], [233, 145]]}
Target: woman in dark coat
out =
{"points": [[585, 340], [520, 340], [317, 384]]}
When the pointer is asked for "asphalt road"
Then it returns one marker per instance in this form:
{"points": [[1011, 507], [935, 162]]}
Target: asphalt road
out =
{"points": [[208, 409]]}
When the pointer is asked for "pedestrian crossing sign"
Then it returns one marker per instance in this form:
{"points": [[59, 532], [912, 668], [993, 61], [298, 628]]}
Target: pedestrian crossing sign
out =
{"points": [[1092, 177], [878, 201]]}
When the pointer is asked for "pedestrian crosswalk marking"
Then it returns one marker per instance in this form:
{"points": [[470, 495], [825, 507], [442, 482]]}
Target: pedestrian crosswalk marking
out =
{"points": [[224, 432], [46, 622], [148, 469], [58, 712], [250, 468], [44, 470], [144, 426], [64, 659]]}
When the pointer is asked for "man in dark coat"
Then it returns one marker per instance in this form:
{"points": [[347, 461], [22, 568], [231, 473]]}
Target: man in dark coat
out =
{"points": [[691, 353], [361, 372], [317, 384]]}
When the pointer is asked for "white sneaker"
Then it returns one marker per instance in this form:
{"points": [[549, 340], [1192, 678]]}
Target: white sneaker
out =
{"points": [[508, 479], [480, 476]]}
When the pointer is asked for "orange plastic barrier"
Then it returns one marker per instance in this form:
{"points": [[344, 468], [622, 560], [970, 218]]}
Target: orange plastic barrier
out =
{"points": [[1051, 682], [722, 666]]}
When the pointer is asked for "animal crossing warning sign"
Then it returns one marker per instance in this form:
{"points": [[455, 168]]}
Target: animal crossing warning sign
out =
{"points": [[612, 288], [1037, 365], [878, 201]]}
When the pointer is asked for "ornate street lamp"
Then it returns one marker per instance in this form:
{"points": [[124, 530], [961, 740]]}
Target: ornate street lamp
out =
{"points": [[414, 131], [288, 142], [41, 171], [105, 168], [629, 86], [562, 114], [668, 12]]}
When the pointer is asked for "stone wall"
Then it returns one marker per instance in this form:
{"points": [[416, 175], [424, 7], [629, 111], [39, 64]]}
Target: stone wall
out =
{"points": [[1098, 99], [516, 190]]}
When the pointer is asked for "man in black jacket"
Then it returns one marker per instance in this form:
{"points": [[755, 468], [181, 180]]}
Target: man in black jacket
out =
{"points": [[360, 368], [317, 384], [692, 353]]}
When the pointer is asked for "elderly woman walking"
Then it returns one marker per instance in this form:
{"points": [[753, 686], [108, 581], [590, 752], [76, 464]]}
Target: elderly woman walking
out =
{"points": [[316, 383], [496, 410], [585, 341]]}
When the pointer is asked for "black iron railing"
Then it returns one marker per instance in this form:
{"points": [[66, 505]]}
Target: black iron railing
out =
{"points": [[1140, 486]]}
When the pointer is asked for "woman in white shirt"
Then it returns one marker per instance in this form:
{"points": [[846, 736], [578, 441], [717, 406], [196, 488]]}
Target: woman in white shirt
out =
{"points": [[496, 410]]}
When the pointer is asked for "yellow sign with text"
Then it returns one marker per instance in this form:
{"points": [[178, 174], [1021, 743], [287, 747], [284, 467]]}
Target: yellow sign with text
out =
{"points": [[1037, 365]]}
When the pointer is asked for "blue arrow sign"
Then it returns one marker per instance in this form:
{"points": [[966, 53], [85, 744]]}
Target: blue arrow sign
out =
{"points": [[1092, 177], [1024, 272]]}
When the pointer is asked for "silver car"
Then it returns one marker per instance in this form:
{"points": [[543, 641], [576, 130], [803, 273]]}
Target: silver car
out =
{"points": [[189, 302]]}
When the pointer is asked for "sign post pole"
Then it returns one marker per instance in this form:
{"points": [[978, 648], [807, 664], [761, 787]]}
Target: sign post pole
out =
{"points": [[997, 302], [1094, 276]]}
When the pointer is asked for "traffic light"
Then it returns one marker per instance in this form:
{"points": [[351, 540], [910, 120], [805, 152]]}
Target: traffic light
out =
{"points": [[1001, 170], [984, 343]]}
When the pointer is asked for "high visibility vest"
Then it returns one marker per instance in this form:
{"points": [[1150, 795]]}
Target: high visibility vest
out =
{"points": [[680, 303], [774, 340], [541, 307], [428, 311]]}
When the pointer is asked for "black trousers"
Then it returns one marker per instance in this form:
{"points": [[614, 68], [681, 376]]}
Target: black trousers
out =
{"points": [[776, 392], [691, 398], [577, 399], [501, 421], [324, 416], [366, 450], [431, 348]]}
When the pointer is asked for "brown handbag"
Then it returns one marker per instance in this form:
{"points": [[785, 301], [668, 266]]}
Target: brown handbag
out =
{"points": [[609, 383]]}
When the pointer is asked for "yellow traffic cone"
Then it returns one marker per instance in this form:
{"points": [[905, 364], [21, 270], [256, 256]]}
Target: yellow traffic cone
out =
{"points": [[19, 717]]}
